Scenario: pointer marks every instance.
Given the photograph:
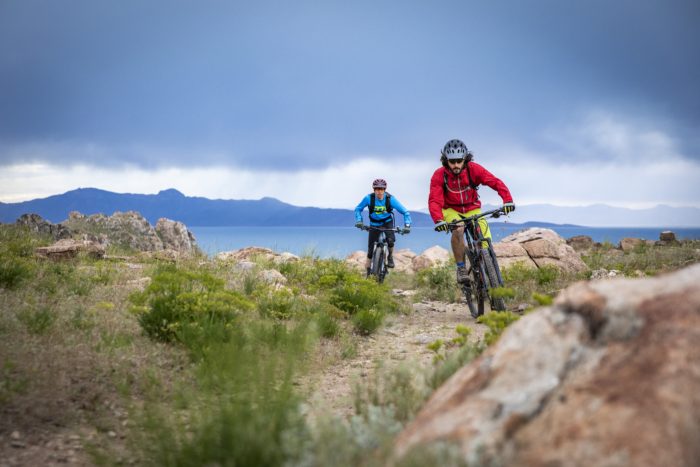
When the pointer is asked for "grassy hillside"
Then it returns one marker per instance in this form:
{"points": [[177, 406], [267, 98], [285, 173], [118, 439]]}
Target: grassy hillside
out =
{"points": [[200, 362]]}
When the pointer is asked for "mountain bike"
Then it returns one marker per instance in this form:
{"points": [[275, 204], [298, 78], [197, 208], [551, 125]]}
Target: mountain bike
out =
{"points": [[380, 251], [483, 265]]}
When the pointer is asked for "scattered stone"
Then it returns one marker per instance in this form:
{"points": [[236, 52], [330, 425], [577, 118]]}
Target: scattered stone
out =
{"points": [[629, 244], [605, 274], [422, 339], [15, 435], [667, 236], [69, 248], [580, 243]]}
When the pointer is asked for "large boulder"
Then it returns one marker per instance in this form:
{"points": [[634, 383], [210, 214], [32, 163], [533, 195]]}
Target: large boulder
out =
{"points": [[510, 253], [542, 247], [608, 375], [403, 260], [433, 256], [357, 260]]}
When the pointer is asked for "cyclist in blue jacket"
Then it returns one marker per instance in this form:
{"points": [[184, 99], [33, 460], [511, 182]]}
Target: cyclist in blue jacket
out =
{"points": [[380, 205]]}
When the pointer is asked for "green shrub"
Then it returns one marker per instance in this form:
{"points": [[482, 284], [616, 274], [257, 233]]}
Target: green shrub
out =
{"points": [[399, 390], [17, 264], [244, 410], [37, 320], [327, 320], [278, 304], [356, 294], [542, 299], [547, 274], [447, 362], [187, 306], [438, 283], [367, 321], [317, 275], [14, 270], [496, 321]]}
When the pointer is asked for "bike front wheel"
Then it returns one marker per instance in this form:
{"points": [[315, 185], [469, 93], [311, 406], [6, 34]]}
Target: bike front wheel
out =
{"points": [[498, 304], [377, 268]]}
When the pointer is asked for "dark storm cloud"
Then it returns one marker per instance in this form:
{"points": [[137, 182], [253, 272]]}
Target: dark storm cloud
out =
{"points": [[312, 83]]}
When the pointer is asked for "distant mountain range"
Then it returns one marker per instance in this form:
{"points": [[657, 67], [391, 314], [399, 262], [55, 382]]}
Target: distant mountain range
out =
{"points": [[197, 211]]}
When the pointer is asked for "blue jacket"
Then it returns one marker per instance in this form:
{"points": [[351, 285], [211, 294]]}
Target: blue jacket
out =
{"points": [[380, 215]]}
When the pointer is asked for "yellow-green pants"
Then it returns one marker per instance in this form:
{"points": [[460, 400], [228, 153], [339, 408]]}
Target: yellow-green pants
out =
{"points": [[450, 215]]}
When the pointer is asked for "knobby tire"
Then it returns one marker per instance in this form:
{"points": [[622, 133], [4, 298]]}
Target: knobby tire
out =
{"points": [[377, 264], [473, 292], [499, 303]]}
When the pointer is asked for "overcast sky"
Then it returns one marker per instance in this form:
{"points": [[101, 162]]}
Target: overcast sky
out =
{"points": [[568, 102]]}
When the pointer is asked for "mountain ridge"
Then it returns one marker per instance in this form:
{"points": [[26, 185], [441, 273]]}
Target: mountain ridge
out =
{"points": [[201, 211]]}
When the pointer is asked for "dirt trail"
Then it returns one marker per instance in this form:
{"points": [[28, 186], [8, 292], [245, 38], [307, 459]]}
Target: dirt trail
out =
{"points": [[402, 339]]}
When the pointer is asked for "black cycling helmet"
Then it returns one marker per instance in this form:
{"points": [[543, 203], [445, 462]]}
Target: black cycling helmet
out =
{"points": [[455, 149]]}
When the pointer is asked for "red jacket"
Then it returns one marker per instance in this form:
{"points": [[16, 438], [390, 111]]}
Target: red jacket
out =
{"points": [[459, 195]]}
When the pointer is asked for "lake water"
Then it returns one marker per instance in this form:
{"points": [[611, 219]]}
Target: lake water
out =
{"points": [[338, 242]]}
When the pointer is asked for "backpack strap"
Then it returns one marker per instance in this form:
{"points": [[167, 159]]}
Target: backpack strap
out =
{"points": [[372, 203], [472, 185]]}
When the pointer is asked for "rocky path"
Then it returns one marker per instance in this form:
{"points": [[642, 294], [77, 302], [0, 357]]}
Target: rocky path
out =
{"points": [[403, 339]]}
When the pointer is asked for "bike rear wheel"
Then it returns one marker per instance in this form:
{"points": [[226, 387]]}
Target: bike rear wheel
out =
{"points": [[498, 304]]}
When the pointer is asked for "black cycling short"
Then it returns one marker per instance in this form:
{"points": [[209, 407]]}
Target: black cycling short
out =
{"points": [[374, 235]]}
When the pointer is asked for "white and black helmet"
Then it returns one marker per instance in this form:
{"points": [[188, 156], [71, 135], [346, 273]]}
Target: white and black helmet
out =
{"points": [[455, 149]]}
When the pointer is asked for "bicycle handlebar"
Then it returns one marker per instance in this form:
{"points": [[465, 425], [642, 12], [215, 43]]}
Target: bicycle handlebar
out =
{"points": [[494, 213], [398, 230]]}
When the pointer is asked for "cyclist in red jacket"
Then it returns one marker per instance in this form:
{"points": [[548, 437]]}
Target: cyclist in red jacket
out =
{"points": [[453, 195]]}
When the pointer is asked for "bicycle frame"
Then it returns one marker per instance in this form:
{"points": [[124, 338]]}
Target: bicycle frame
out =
{"points": [[484, 270], [380, 251]]}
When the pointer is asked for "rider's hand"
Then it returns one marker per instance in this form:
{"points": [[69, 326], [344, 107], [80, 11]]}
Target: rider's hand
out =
{"points": [[508, 208], [359, 224], [441, 226], [406, 228]]}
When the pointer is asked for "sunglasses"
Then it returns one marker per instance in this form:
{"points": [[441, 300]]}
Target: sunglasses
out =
{"points": [[455, 161]]}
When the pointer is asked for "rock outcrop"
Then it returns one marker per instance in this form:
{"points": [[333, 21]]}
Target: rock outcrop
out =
{"points": [[608, 375], [38, 224], [129, 230], [175, 236], [537, 247]]}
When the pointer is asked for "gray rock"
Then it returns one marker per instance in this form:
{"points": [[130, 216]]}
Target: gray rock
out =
{"points": [[608, 375]]}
